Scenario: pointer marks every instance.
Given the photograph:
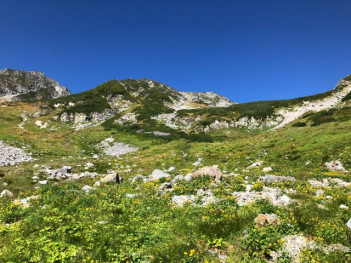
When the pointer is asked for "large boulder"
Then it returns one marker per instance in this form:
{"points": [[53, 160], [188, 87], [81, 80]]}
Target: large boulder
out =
{"points": [[157, 175], [211, 171], [113, 178]]}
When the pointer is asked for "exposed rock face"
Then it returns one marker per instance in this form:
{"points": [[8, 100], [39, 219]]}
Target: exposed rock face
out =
{"points": [[82, 120], [188, 123], [191, 100], [329, 102], [18, 82]]}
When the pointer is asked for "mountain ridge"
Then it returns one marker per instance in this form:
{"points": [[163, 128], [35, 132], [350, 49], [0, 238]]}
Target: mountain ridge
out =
{"points": [[29, 85], [145, 103]]}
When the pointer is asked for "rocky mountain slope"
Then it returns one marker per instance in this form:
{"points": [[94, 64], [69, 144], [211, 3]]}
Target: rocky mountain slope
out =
{"points": [[28, 85], [144, 184], [130, 102], [142, 104]]}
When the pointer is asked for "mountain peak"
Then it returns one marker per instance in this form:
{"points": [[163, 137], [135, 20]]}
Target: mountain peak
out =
{"points": [[29, 85]]}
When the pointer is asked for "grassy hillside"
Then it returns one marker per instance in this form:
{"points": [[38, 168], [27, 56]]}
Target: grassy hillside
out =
{"points": [[66, 225]]}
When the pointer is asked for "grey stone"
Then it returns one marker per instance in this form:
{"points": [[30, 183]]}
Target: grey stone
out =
{"points": [[157, 175], [277, 179], [7, 193]]}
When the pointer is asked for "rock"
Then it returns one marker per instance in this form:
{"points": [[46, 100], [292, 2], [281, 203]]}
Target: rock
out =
{"points": [[102, 222], [293, 245], [322, 207], [198, 162], [132, 195], [276, 179], [87, 188], [111, 148], [316, 183], [267, 169], [2, 175], [177, 178], [272, 194], [171, 169], [181, 200], [7, 193], [336, 247], [254, 165], [283, 200], [35, 178], [187, 177], [211, 171], [339, 182], [17, 82], [127, 119], [349, 223], [43, 182], [206, 197], [25, 202], [114, 178], [270, 219], [165, 186], [88, 165], [138, 178], [329, 197], [98, 183], [343, 207], [335, 166], [158, 133], [64, 172], [10, 155], [319, 192], [157, 175]]}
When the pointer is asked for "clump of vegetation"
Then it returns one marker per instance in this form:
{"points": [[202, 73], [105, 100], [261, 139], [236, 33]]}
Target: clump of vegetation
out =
{"points": [[299, 124]]}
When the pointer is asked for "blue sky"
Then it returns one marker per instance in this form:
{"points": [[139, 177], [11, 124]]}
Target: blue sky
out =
{"points": [[246, 50]]}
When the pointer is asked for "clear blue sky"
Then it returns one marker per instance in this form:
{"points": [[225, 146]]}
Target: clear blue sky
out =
{"points": [[246, 50]]}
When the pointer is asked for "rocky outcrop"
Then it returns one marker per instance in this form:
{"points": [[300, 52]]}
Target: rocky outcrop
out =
{"points": [[291, 114], [193, 100], [16, 83], [188, 123]]}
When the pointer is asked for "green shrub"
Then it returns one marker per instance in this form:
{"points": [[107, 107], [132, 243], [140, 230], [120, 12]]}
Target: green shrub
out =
{"points": [[299, 124]]}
